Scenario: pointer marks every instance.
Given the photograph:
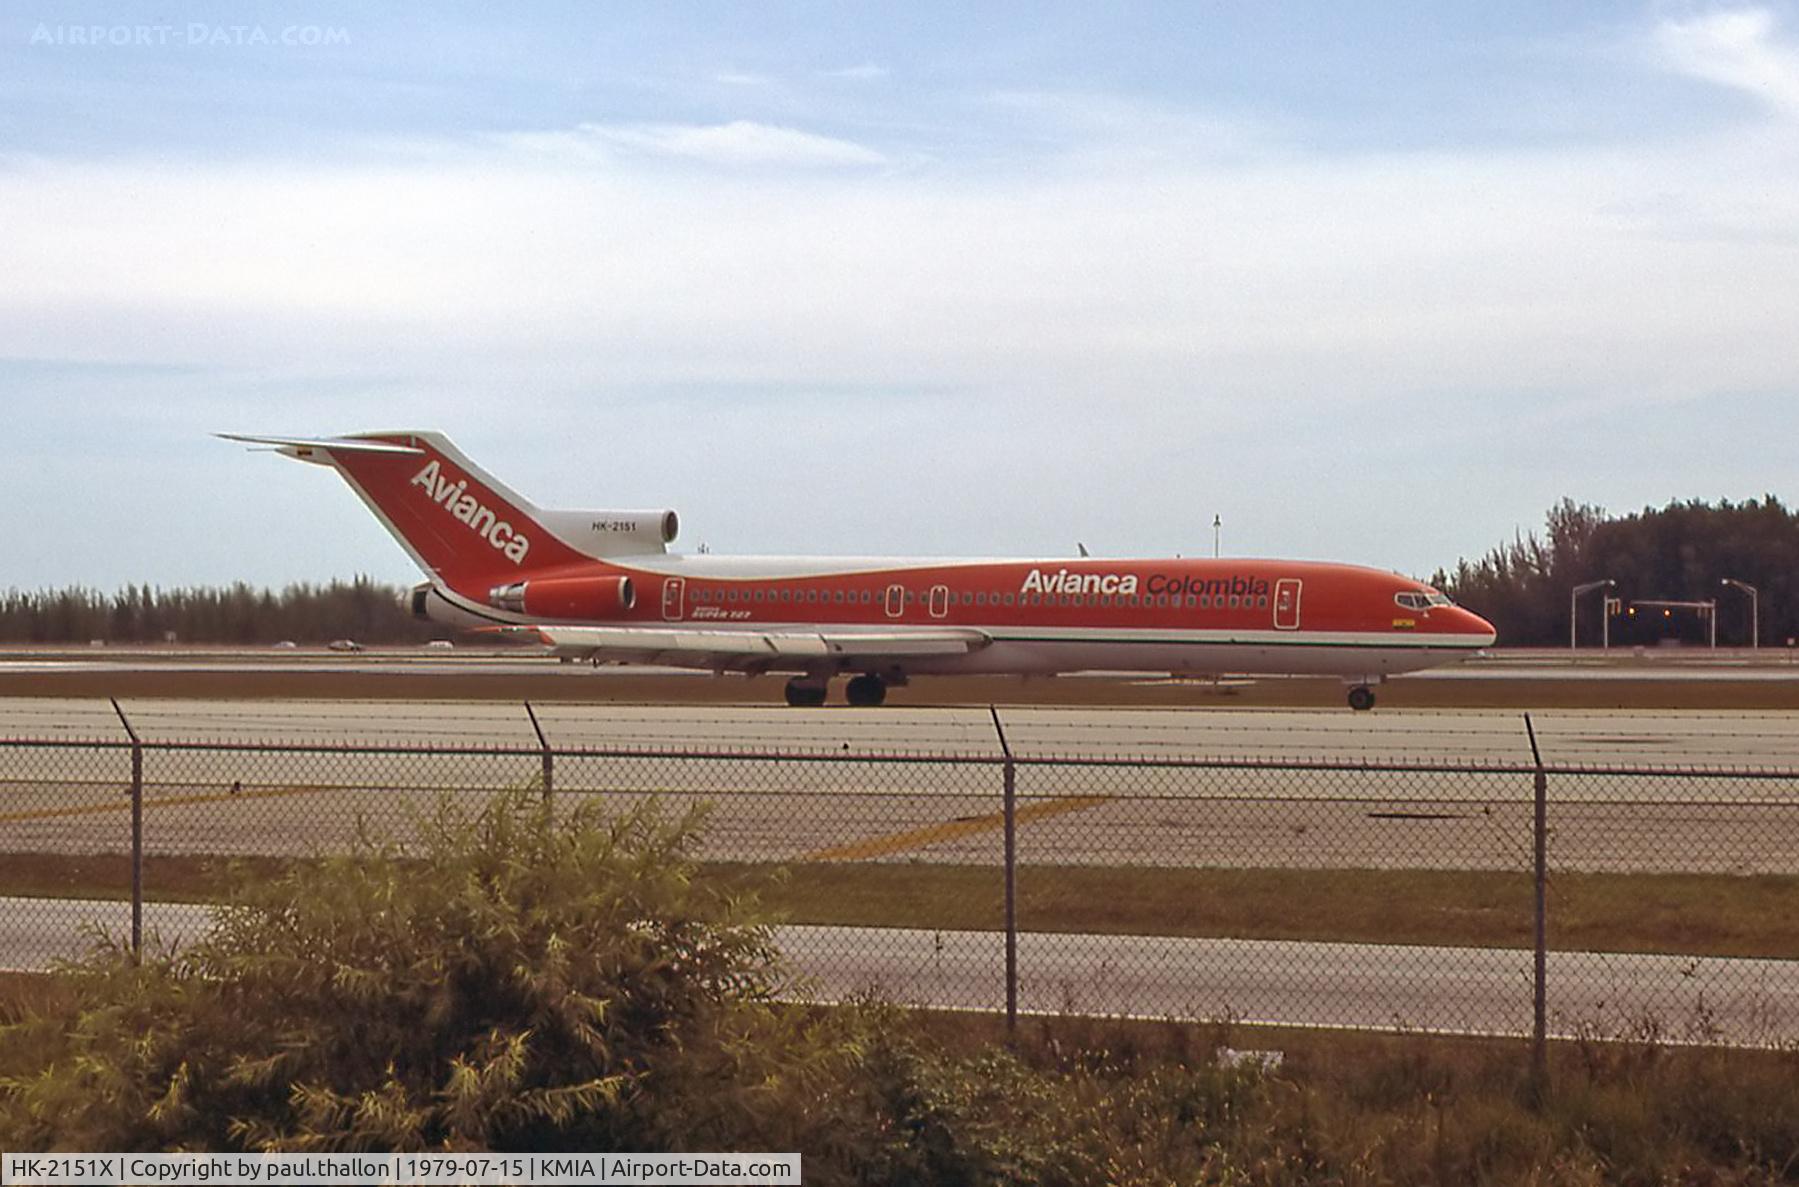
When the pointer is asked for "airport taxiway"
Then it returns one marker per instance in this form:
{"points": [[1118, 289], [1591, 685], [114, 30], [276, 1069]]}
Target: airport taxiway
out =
{"points": [[1289, 983]]}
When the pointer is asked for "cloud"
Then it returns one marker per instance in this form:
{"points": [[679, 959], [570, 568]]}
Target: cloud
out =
{"points": [[1325, 282], [1111, 132], [866, 71], [1737, 49], [1271, 333], [738, 143]]}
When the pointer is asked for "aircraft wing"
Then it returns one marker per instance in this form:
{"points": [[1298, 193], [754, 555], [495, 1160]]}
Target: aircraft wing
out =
{"points": [[789, 649]]}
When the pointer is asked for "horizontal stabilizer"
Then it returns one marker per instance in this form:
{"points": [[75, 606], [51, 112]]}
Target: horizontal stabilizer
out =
{"points": [[302, 447]]}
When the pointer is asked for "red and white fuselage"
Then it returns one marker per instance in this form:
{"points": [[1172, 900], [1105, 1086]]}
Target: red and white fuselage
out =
{"points": [[602, 585]]}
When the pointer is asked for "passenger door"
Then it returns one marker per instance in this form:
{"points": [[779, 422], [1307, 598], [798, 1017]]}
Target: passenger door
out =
{"points": [[1286, 604]]}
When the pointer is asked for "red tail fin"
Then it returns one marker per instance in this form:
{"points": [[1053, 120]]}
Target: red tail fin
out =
{"points": [[460, 524]]}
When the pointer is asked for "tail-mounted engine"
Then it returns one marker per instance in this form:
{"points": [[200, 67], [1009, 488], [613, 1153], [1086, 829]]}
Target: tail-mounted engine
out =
{"points": [[567, 597]]}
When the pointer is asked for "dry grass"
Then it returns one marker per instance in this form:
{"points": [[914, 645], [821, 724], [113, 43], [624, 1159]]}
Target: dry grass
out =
{"points": [[1711, 915]]}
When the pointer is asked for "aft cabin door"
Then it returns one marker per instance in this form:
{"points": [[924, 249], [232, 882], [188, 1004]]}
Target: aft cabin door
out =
{"points": [[1286, 604], [939, 601], [674, 598]]}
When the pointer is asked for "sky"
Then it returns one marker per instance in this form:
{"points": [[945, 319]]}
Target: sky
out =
{"points": [[1366, 282]]}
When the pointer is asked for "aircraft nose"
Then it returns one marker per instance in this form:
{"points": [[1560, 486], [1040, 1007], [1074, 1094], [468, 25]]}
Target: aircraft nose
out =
{"points": [[1471, 624]]}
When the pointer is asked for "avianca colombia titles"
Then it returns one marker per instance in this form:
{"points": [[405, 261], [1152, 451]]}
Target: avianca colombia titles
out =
{"points": [[603, 586]]}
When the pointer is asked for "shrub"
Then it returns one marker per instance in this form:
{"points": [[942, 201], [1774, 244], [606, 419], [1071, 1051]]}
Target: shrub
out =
{"points": [[512, 979]]}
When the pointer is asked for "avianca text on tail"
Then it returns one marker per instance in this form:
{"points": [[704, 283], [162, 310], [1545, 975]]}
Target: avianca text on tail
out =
{"points": [[455, 499], [603, 586]]}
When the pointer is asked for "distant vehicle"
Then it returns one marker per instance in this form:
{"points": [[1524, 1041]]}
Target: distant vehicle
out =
{"points": [[439, 645], [572, 580], [284, 645], [344, 645]]}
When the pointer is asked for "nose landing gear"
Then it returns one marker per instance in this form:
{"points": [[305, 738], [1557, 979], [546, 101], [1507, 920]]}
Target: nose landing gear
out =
{"points": [[1361, 698]]}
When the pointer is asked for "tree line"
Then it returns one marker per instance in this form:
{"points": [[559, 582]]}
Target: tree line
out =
{"points": [[1683, 552], [1679, 553], [365, 610]]}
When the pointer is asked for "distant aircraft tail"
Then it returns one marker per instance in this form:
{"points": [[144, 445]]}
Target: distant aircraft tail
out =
{"points": [[461, 525]]}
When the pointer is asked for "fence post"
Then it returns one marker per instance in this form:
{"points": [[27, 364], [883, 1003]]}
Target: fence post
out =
{"points": [[137, 834], [1539, 1034], [549, 762], [1009, 812]]}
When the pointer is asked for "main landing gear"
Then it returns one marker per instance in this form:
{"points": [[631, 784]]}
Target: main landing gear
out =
{"points": [[807, 692], [1361, 698], [866, 691]]}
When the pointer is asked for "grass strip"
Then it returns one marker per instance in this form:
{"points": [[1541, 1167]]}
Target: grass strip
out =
{"points": [[1696, 914]]}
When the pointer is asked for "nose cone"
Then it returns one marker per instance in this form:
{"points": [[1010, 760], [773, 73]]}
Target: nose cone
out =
{"points": [[1475, 630]]}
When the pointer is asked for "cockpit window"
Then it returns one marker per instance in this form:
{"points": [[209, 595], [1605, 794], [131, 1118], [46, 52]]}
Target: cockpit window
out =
{"points": [[1421, 600]]}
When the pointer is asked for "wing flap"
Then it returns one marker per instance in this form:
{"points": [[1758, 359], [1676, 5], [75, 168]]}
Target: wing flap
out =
{"points": [[730, 648]]}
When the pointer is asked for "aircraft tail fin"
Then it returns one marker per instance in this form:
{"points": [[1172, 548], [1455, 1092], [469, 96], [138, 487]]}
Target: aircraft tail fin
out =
{"points": [[460, 524]]}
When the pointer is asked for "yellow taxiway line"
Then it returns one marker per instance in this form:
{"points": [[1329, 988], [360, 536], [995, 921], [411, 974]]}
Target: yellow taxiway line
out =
{"points": [[172, 801], [952, 830]]}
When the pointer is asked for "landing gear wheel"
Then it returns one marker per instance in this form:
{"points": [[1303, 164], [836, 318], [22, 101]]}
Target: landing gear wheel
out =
{"points": [[866, 691], [804, 694], [1361, 698]]}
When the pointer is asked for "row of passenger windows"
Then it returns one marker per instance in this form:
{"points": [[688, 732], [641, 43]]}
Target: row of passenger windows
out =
{"points": [[866, 597]]}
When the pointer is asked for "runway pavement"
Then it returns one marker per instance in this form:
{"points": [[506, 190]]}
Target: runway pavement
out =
{"points": [[1682, 678], [1447, 990], [1255, 788], [1689, 739]]}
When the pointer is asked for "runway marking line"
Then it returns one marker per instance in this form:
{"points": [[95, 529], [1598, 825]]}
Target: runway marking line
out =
{"points": [[172, 801], [952, 830]]}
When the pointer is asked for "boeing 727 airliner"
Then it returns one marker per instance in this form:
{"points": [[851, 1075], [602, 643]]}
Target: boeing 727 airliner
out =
{"points": [[602, 586]]}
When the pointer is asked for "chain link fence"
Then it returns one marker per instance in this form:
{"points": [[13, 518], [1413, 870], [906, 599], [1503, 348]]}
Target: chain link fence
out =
{"points": [[1025, 869]]}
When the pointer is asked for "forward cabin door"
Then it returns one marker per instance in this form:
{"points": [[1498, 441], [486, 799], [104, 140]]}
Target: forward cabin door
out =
{"points": [[1286, 604], [674, 598]]}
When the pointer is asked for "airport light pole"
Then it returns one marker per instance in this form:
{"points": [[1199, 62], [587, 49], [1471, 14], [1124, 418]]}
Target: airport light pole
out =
{"points": [[1755, 622], [1574, 600]]}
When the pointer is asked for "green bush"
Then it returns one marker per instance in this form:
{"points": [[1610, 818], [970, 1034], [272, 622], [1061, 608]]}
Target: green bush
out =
{"points": [[509, 980]]}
